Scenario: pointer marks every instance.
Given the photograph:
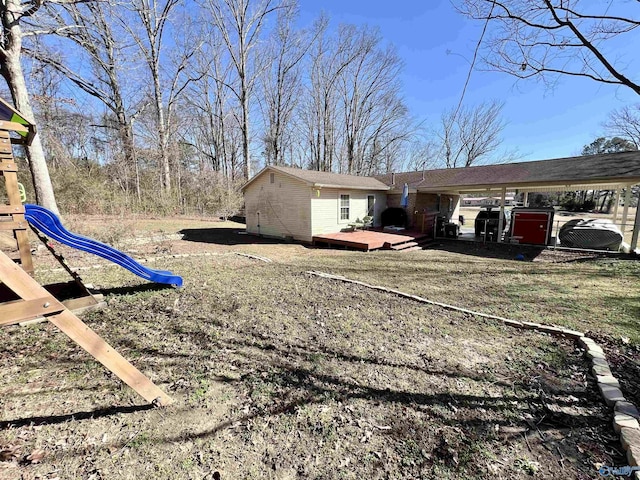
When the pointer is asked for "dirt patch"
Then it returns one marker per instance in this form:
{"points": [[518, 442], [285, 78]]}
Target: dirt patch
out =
{"points": [[322, 380]]}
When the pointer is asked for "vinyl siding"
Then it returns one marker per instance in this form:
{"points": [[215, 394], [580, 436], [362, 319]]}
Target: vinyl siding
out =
{"points": [[284, 207], [326, 209]]}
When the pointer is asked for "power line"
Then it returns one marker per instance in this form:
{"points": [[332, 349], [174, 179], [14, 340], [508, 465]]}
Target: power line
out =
{"points": [[473, 62], [471, 66]]}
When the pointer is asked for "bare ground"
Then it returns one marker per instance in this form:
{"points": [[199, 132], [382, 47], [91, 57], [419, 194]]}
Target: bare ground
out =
{"points": [[277, 374]]}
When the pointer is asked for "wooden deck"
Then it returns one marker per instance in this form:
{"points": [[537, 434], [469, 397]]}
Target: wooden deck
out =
{"points": [[367, 240]]}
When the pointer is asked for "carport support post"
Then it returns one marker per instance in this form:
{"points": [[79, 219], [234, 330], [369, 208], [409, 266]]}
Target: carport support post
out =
{"points": [[636, 227], [525, 199], [625, 210], [615, 204], [501, 219]]}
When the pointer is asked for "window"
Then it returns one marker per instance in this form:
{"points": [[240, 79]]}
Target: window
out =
{"points": [[344, 207], [371, 200], [272, 178]]}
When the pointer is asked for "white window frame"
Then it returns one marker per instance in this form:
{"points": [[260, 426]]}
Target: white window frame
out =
{"points": [[340, 207]]}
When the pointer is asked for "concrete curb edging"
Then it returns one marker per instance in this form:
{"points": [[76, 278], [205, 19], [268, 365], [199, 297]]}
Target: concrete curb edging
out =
{"points": [[625, 414]]}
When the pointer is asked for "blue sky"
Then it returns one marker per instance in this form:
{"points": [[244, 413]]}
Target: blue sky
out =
{"points": [[542, 123]]}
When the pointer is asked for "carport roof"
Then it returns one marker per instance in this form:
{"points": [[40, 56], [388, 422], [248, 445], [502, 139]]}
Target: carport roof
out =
{"points": [[604, 169]]}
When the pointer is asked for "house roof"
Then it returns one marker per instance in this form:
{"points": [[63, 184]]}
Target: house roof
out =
{"points": [[603, 169], [314, 178]]}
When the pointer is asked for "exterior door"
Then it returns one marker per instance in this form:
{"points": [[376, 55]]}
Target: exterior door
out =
{"points": [[371, 202]]}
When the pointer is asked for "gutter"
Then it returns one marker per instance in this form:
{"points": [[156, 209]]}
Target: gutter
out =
{"points": [[323, 185]]}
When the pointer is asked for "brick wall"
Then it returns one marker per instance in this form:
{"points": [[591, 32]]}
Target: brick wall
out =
{"points": [[427, 202]]}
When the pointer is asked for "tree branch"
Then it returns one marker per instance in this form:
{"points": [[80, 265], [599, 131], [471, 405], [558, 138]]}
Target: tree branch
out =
{"points": [[622, 79], [35, 6]]}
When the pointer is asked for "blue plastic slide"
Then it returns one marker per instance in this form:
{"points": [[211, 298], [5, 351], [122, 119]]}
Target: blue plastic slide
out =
{"points": [[49, 224]]}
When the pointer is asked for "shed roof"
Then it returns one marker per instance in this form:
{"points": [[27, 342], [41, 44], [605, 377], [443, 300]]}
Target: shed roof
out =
{"points": [[602, 169], [314, 178]]}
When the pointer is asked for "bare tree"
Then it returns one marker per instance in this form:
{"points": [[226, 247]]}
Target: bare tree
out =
{"points": [[321, 113], [215, 132], [374, 115], [240, 23], [469, 135], [55, 121], [354, 116], [70, 134], [281, 82], [547, 38], [318, 112], [96, 42], [14, 12], [420, 153], [625, 123], [153, 16]]}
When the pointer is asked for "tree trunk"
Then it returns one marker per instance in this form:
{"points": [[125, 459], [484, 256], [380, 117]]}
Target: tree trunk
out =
{"points": [[245, 131], [12, 72], [165, 166], [162, 133]]}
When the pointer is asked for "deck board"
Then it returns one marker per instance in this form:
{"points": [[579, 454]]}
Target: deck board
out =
{"points": [[369, 239]]}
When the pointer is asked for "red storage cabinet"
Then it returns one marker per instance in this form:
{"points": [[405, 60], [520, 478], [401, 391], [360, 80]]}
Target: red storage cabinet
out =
{"points": [[532, 225]]}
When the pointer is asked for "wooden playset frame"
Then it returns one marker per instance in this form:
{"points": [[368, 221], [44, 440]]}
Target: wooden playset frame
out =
{"points": [[27, 299]]}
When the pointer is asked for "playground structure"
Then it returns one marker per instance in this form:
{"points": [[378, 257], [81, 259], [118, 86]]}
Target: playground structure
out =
{"points": [[23, 299]]}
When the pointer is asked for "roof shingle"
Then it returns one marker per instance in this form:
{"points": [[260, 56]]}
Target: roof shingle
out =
{"points": [[621, 167], [327, 179]]}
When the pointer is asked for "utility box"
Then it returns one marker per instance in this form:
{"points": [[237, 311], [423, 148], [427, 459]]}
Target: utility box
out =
{"points": [[532, 226]]}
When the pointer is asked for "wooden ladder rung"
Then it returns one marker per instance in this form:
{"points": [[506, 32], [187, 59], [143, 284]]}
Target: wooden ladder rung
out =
{"points": [[21, 310], [13, 126], [8, 166], [11, 209], [14, 225]]}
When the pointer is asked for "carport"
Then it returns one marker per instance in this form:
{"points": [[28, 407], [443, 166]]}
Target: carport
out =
{"points": [[615, 171]]}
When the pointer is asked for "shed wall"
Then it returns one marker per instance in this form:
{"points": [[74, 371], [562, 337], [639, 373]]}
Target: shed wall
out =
{"points": [[280, 209], [326, 208]]}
